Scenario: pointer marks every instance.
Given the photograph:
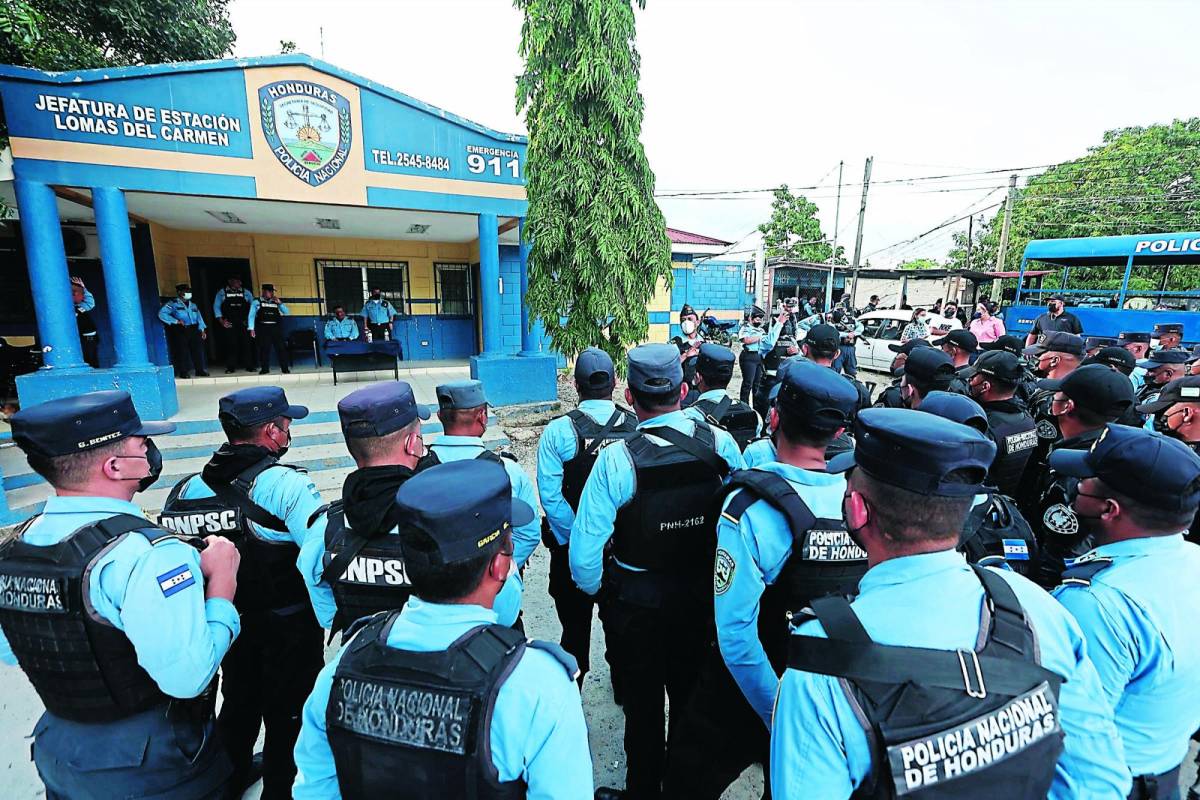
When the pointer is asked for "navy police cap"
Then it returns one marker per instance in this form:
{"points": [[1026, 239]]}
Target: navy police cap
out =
{"points": [[823, 339], [1058, 342], [458, 395], [824, 399], [1161, 358], [594, 369], [715, 361], [379, 409], [909, 346], [1168, 327], [461, 508], [258, 404], [956, 408], [1180, 390], [655, 368], [1151, 468], [1007, 342], [1093, 342], [1133, 337], [917, 451], [74, 424], [930, 364]]}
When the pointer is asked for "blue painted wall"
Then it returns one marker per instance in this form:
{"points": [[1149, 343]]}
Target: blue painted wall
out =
{"points": [[708, 283]]}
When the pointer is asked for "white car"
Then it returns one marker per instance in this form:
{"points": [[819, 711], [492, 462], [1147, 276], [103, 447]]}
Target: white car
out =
{"points": [[881, 328]]}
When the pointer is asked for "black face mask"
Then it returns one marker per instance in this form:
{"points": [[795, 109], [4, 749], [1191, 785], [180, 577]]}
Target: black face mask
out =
{"points": [[154, 463], [279, 453]]}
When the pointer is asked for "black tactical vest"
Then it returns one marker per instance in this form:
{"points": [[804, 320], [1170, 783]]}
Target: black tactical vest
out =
{"points": [[995, 532], [236, 308], [407, 724], [268, 312], [83, 668], [667, 528], [590, 436], [824, 559], [1060, 537], [733, 416], [430, 459], [85, 323], [1016, 437], [774, 357], [944, 724], [267, 577], [890, 397], [364, 569]]}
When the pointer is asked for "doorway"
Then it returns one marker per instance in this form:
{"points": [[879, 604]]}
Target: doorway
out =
{"points": [[208, 276]]}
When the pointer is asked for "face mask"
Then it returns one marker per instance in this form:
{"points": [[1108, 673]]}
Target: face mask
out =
{"points": [[1162, 425], [374, 295], [906, 395], [976, 389], [1052, 308], [187, 295], [154, 466], [689, 326], [280, 452], [1044, 368]]}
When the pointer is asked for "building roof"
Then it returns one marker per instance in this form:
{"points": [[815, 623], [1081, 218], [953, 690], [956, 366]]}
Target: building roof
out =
{"points": [[683, 237]]}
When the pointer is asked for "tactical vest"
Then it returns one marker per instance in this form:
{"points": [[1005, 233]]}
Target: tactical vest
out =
{"points": [[364, 569], [774, 358], [944, 724], [667, 528], [85, 323], [890, 397], [236, 308], [733, 416], [409, 724], [590, 436], [83, 668], [267, 578], [1016, 437], [824, 558], [430, 459], [996, 533], [268, 312]]}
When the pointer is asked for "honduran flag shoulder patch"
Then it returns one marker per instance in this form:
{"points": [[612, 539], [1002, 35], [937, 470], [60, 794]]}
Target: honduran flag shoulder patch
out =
{"points": [[176, 580]]}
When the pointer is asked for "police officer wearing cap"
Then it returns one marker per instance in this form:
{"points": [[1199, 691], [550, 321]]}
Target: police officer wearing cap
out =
{"points": [[1134, 593], [780, 543], [185, 332], [231, 308], [992, 382], [1176, 410], [265, 323], [714, 371], [1169, 335], [439, 700], [927, 369], [784, 347], [1094, 344], [890, 397], [1161, 367], [650, 497], [567, 451], [1137, 343], [1054, 319], [888, 693], [1027, 386], [1054, 358], [689, 343], [756, 340], [379, 314], [118, 624], [269, 509], [822, 346], [961, 345], [1083, 402], [1119, 360]]}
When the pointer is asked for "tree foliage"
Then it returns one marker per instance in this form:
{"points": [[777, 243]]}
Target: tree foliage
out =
{"points": [[794, 232], [599, 242], [920, 263]]}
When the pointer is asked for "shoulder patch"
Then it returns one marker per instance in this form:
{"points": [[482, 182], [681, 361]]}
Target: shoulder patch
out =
{"points": [[723, 569], [1046, 429], [176, 580], [1060, 519]]}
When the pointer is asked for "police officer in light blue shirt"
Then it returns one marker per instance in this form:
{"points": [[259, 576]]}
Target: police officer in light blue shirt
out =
{"points": [[119, 624], [517, 729], [710, 400], [185, 332], [756, 340], [1135, 593], [936, 667], [379, 314], [341, 328]]}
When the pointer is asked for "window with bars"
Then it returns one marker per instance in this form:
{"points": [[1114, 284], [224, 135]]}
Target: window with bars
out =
{"points": [[454, 290], [349, 283], [751, 279]]}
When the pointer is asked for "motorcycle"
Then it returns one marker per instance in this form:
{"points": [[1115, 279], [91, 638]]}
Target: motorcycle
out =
{"points": [[715, 331]]}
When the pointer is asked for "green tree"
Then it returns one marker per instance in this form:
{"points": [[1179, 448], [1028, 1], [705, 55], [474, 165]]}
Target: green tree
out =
{"points": [[920, 263], [599, 242], [286, 46], [794, 232]]}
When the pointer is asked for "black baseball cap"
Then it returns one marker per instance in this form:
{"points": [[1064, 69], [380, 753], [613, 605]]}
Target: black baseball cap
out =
{"points": [[960, 338], [1095, 388], [379, 409], [928, 364], [1133, 337], [1153, 469], [1168, 327], [258, 404], [1163, 357], [182, 287], [1057, 342], [1116, 357], [1000, 364], [1057, 297], [461, 507], [824, 339], [956, 408], [268, 287], [715, 361], [1180, 390], [74, 424], [821, 397], [1007, 342], [909, 346], [594, 369], [1092, 342], [655, 368]]}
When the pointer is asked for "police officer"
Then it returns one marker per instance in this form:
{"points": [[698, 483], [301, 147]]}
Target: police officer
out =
{"points": [[650, 496], [1176, 410], [714, 371], [379, 314], [1119, 360], [755, 339], [780, 542], [567, 451], [1137, 343], [689, 343], [269, 510], [118, 624], [1054, 357], [1055, 319], [822, 346], [265, 322], [890, 396], [1083, 402], [185, 331], [437, 699], [231, 308], [927, 369], [1027, 386], [340, 328], [1137, 493], [89, 337], [961, 345], [1161, 367], [992, 382], [1169, 335], [872, 304], [463, 411], [1094, 344], [784, 347], [868, 704]]}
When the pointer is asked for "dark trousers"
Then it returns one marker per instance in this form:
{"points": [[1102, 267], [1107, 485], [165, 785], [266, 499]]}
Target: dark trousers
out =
{"points": [[235, 347], [751, 364], [847, 360], [91, 350], [379, 332], [187, 349], [652, 649], [270, 337], [718, 737], [265, 679], [573, 605]]}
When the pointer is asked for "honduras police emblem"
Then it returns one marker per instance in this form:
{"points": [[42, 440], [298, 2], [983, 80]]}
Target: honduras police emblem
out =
{"points": [[1061, 519], [308, 128], [723, 571]]}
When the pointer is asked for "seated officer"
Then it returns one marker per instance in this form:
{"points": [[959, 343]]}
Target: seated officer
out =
{"points": [[926, 370], [992, 382], [1135, 593], [714, 371], [1169, 335], [437, 699], [780, 542], [914, 683], [650, 496], [117, 623], [463, 410], [269, 510], [341, 328]]}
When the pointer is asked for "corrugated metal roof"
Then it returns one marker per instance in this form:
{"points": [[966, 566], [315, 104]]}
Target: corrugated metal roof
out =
{"points": [[684, 237]]}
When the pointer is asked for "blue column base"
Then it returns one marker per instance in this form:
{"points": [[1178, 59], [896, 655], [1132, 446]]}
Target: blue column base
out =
{"points": [[152, 388], [515, 380]]}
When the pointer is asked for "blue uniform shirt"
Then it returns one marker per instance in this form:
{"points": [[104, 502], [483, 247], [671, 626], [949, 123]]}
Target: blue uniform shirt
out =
{"points": [[818, 746], [758, 547], [1138, 379], [219, 300], [556, 447], [181, 311], [526, 537], [1139, 619], [715, 396], [613, 484], [87, 303], [759, 452], [538, 731], [379, 312], [283, 309], [180, 637], [341, 329], [755, 334]]}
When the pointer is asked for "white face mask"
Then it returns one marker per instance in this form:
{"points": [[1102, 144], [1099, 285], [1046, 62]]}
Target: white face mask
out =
{"points": [[689, 326], [187, 295]]}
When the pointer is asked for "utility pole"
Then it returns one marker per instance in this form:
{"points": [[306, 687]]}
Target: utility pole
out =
{"points": [[862, 212], [970, 236], [322, 29], [837, 216], [762, 293], [1008, 201]]}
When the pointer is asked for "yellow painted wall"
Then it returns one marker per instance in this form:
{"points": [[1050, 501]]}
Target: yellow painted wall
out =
{"points": [[662, 297]]}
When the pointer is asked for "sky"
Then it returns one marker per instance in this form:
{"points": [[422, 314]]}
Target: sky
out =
{"points": [[749, 94]]}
